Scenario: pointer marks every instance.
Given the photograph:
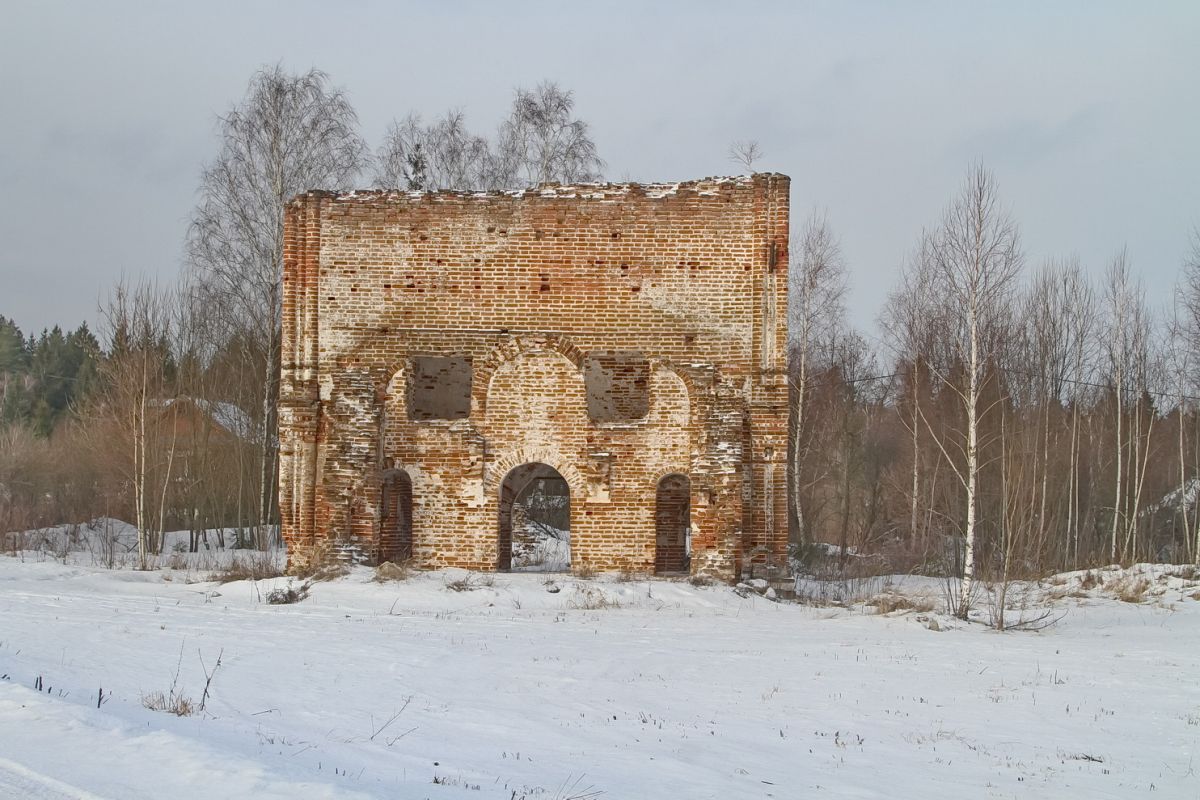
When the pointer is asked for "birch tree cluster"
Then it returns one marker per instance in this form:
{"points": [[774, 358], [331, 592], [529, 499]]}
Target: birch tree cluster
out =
{"points": [[149, 432], [541, 141], [1009, 420]]}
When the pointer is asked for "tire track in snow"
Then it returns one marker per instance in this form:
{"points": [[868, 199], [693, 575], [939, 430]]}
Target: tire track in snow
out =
{"points": [[18, 782]]}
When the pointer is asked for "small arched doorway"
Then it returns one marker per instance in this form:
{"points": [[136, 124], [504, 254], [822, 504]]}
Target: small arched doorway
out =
{"points": [[535, 520], [672, 525], [395, 520]]}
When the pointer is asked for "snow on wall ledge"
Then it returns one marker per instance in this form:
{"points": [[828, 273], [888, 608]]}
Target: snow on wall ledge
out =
{"points": [[669, 299]]}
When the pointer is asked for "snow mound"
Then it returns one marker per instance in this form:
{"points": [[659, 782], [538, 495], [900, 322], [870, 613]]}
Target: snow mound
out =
{"points": [[1134, 584]]}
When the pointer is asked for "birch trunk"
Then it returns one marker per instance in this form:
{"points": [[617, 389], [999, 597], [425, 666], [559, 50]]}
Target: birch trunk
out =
{"points": [[972, 401]]}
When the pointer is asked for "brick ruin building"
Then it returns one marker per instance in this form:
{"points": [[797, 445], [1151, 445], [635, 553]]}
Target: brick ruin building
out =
{"points": [[442, 351]]}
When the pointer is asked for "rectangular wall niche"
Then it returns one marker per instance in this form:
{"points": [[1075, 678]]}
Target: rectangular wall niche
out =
{"points": [[439, 387], [618, 385]]}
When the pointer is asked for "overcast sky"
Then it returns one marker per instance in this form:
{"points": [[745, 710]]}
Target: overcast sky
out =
{"points": [[1087, 112]]}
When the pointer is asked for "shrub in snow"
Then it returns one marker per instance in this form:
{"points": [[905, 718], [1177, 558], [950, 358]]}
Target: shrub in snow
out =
{"points": [[287, 595], [469, 582]]}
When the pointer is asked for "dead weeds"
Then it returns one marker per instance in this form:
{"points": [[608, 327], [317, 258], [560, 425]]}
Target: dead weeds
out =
{"points": [[248, 565], [889, 602]]}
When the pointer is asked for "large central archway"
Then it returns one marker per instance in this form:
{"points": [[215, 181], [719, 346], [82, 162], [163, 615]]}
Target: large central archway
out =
{"points": [[535, 520]]}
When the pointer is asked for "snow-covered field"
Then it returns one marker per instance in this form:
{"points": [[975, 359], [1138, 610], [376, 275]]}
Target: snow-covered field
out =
{"points": [[509, 687]]}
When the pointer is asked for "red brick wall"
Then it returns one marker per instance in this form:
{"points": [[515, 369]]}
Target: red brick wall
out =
{"points": [[525, 285]]}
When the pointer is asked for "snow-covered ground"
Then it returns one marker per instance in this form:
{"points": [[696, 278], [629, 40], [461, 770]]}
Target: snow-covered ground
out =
{"points": [[112, 543], [534, 686]]}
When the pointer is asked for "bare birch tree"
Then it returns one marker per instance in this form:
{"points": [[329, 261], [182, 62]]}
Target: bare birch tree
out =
{"points": [[543, 141], [977, 260], [129, 409], [817, 282], [290, 134], [442, 155], [1078, 311], [1187, 340], [1180, 357], [910, 323], [1055, 315], [1127, 348], [540, 141]]}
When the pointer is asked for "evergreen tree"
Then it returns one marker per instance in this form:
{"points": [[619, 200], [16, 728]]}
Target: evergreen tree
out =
{"points": [[42, 379], [14, 372]]}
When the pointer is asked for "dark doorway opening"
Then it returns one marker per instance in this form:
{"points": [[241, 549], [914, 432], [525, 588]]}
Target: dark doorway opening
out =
{"points": [[535, 520], [395, 527], [672, 525]]}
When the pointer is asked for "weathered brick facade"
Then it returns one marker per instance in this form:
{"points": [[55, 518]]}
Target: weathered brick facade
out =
{"points": [[631, 337]]}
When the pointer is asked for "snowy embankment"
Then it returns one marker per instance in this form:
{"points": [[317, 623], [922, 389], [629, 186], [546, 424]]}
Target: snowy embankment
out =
{"points": [[509, 687]]}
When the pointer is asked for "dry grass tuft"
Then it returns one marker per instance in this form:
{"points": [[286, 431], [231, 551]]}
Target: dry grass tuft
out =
{"points": [[1131, 590], [390, 571], [888, 602], [585, 572], [324, 567], [470, 582], [588, 598], [327, 572], [248, 565], [172, 702], [1188, 572]]}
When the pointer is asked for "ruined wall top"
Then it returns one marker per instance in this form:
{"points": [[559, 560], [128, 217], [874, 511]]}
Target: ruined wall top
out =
{"points": [[576, 191]]}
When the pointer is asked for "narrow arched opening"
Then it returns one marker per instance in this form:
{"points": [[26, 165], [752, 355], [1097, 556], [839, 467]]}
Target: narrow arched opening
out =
{"points": [[395, 523], [672, 525], [535, 520]]}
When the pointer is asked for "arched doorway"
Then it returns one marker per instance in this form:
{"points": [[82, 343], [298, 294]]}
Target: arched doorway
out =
{"points": [[672, 525], [395, 521], [535, 520]]}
